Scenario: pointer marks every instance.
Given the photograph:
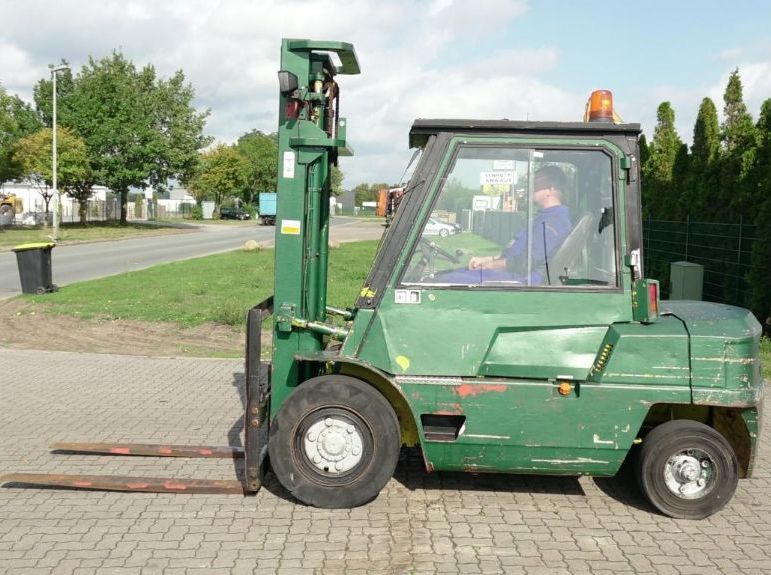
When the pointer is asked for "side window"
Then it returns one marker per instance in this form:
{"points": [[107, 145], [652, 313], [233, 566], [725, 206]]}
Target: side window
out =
{"points": [[510, 216]]}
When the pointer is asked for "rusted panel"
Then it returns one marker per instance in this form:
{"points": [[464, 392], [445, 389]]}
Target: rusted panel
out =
{"points": [[124, 483], [472, 389], [151, 450]]}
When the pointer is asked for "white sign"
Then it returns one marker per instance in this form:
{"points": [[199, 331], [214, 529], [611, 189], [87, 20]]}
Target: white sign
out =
{"points": [[290, 227], [497, 178], [369, 204], [503, 164], [289, 165]]}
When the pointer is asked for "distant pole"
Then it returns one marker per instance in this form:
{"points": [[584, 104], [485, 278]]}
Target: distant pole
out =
{"points": [[57, 199]]}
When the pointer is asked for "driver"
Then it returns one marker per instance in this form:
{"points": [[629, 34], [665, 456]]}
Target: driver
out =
{"points": [[550, 228]]}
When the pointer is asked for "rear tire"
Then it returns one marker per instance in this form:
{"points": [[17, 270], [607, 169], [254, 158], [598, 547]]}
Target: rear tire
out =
{"points": [[6, 209], [687, 469], [335, 442]]}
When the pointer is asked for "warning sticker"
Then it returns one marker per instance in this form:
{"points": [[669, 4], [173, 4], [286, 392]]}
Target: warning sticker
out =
{"points": [[290, 227], [289, 164], [497, 178]]}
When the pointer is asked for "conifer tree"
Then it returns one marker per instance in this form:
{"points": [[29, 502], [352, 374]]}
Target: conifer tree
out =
{"points": [[657, 200], [760, 183], [739, 139], [703, 193]]}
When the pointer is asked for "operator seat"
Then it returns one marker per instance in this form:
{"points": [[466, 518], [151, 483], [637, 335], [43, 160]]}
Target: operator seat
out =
{"points": [[565, 259]]}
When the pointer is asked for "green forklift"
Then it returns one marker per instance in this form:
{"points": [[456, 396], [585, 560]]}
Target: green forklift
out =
{"points": [[506, 325]]}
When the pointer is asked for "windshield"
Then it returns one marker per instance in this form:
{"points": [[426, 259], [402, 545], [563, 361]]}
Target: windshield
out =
{"points": [[514, 216]]}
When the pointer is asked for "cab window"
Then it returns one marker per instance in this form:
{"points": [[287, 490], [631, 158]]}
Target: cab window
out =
{"points": [[508, 216]]}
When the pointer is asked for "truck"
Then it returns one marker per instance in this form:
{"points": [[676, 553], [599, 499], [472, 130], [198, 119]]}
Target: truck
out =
{"points": [[267, 208], [566, 364], [10, 205], [387, 201]]}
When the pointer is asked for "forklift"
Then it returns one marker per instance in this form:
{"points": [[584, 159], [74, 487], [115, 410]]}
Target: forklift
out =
{"points": [[528, 341]]}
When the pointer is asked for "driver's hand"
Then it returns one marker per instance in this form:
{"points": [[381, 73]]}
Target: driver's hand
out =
{"points": [[476, 263]]}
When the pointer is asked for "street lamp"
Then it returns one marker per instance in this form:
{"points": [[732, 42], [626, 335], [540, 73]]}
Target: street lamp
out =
{"points": [[57, 199]]}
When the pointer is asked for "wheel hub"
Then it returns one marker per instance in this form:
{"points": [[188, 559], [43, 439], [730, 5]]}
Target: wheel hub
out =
{"points": [[690, 474], [333, 445]]}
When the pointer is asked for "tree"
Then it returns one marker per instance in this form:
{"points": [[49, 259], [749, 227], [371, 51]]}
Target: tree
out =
{"points": [[222, 173], [367, 192], [261, 153], [17, 120], [140, 130], [337, 182], [739, 138], [703, 192], [760, 182], [33, 155], [658, 200]]}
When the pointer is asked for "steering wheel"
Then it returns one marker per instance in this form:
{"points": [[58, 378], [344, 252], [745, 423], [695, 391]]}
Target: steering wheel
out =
{"points": [[432, 248]]}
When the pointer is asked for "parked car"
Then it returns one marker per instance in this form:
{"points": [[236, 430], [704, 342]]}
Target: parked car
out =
{"points": [[437, 228], [234, 214]]}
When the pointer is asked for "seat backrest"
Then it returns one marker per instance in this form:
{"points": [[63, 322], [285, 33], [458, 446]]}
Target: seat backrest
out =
{"points": [[562, 261]]}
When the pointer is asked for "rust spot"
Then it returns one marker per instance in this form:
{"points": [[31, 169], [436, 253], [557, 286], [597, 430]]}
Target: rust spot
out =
{"points": [[457, 409], [471, 389], [170, 485], [120, 450], [137, 485], [164, 450], [205, 451], [82, 484]]}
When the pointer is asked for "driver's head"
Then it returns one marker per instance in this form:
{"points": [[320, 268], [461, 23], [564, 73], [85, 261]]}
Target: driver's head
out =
{"points": [[549, 185]]}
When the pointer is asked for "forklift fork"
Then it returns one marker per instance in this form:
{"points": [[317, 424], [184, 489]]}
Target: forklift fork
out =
{"points": [[255, 450]]}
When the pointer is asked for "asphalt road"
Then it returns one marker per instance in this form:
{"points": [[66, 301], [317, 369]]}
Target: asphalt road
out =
{"points": [[81, 262]]}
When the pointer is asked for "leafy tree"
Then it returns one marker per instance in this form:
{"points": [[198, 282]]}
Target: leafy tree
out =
{"points": [[367, 192], [33, 155], [337, 181], [17, 120], [140, 130], [222, 173], [261, 153], [739, 138], [658, 200]]}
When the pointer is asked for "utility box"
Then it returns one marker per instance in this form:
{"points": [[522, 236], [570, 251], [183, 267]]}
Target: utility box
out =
{"points": [[686, 280]]}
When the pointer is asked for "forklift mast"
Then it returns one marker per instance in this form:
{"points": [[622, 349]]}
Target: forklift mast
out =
{"points": [[311, 136]]}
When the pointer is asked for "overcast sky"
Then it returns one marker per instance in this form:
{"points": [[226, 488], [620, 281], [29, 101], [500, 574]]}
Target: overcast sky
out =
{"points": [[490, 59]]}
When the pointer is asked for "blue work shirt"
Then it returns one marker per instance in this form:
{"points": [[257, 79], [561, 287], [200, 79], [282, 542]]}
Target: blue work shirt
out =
{"points": [[550, 228]]}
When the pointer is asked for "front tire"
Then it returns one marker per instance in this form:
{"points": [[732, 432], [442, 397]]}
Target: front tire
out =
{"points": [[687, 469], [335, 442]]}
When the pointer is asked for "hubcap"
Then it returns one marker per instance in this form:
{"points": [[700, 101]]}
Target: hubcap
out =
{"points": [[333, 445], [690, 474]]}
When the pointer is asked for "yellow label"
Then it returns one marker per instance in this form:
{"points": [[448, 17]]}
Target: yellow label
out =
{"points": [[291, 227]]}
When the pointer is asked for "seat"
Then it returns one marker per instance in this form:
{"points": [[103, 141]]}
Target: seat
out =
{"points": [[564, 260]]}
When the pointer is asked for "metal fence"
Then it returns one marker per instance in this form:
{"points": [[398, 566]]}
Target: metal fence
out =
{"points": [[724, 250]]}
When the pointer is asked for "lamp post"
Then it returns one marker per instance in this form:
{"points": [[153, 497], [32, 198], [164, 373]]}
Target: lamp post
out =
{"points": [[57, 199]]}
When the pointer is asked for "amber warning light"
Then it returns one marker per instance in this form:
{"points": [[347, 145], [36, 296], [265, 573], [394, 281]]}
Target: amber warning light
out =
{"points": [[599, 108]]}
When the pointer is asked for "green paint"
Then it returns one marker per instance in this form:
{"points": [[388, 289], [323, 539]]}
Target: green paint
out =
{"points": [[554, 376]]}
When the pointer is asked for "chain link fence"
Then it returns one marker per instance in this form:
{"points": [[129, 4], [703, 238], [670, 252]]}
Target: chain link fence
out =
{"points": [[725, 251]]}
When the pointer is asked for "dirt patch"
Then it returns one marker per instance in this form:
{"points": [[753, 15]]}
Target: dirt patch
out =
{"points": [[23, 326]]}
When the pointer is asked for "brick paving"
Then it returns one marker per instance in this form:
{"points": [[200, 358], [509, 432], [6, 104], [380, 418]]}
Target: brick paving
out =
{"points": [[421, 523]]}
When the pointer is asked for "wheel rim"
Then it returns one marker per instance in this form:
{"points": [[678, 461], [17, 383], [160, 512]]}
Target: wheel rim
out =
{"points": [[690, 474], [334, 445]]}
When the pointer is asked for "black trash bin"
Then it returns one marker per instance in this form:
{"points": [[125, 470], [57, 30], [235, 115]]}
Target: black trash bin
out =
{"points": [[35, 267]]}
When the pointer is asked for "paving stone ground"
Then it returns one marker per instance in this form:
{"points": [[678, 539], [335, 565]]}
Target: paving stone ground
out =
{"points": [[421, 523]]}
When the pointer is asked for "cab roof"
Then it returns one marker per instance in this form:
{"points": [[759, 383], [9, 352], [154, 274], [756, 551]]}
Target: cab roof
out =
{"points": [[422, 129]]}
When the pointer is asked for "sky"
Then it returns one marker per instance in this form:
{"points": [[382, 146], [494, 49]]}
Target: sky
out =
{"points": [[481, 59]]}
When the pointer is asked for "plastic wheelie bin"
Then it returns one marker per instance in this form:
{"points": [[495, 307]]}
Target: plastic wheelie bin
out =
{"points": [[35, 267]]}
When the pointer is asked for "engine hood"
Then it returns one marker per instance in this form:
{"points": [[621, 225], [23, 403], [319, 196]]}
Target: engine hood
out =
{"points": [[724, 345]]}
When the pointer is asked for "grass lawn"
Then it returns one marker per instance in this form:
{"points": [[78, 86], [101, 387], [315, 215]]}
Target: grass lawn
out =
{"points": [[218, 288], [16, 235]]}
